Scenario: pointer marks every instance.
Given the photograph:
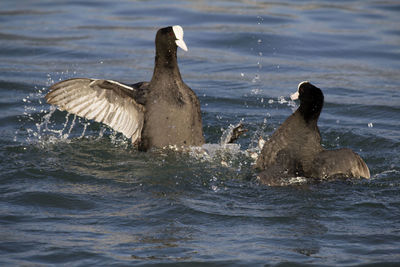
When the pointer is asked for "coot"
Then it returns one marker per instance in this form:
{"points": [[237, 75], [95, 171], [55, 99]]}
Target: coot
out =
{"points": [[295, 149], [159, 113]]}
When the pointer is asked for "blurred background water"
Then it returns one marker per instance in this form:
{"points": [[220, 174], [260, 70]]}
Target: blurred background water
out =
{"points": [[73, 192]]}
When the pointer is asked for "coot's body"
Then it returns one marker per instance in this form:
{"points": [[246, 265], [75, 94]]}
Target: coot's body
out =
{"points": [[295, 149], [159, 113]]}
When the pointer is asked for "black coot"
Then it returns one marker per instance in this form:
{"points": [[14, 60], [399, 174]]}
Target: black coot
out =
{"points": [[159, 113], [294, 149]]}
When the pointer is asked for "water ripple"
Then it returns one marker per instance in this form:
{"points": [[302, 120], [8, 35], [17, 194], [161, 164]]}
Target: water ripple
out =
{"points": [[74, 192]]}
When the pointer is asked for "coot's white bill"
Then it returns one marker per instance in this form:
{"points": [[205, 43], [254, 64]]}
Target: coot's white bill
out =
{"points": [[295, 96], [178, 31]]}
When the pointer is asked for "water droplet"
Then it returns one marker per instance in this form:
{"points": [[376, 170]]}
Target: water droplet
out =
{"points": [[282, 100], [256, 78], [215, 188]]}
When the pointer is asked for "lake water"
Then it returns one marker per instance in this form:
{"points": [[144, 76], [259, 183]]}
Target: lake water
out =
{"points": [[72, 192]]}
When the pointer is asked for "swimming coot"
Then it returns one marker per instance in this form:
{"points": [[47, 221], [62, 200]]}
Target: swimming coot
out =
{"points": [[295, 149], [159, 113]]}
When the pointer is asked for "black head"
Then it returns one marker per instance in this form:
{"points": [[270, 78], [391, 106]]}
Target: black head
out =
{"points": [[311, 100], [167, 41], [170, 38]]}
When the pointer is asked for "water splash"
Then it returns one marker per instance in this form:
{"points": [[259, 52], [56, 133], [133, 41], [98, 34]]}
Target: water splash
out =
{"points": [[232, 133], [42, 123]]}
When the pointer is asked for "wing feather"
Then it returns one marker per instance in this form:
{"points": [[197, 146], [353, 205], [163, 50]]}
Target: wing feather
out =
{"points": [[104, 109], [104, 101], [78, 106]]}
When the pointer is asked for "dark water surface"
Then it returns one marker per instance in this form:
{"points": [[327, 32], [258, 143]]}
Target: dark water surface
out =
{"points": [[74, 193]]}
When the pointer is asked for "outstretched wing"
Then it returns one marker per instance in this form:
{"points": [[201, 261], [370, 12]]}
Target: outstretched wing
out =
{"points": [[105, 101]]}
